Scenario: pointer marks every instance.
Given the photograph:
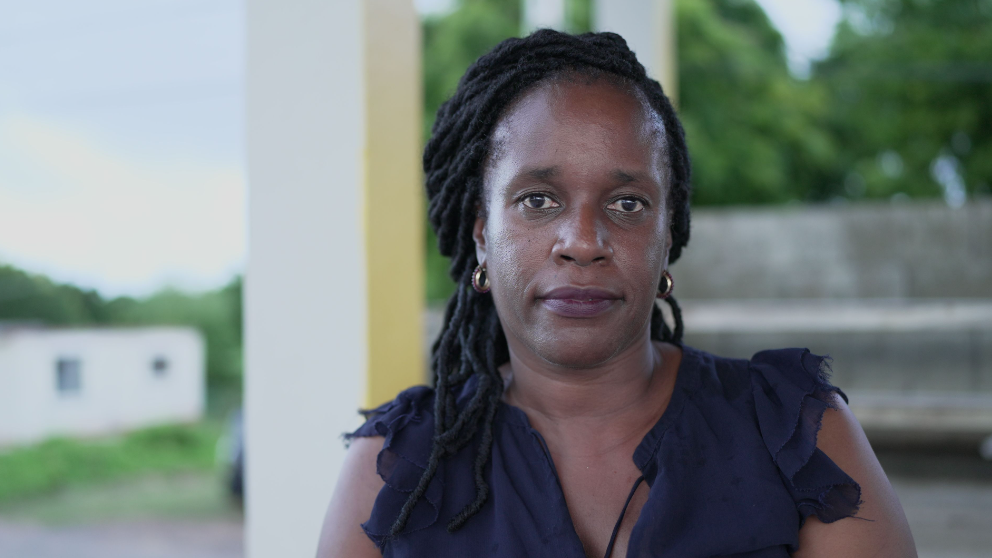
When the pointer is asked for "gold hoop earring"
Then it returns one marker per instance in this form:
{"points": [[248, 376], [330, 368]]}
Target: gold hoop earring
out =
{"points": [[480, 279], [669, 284]]}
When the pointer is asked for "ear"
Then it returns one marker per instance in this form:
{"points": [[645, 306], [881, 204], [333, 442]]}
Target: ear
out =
{"points": [[479, 235]]}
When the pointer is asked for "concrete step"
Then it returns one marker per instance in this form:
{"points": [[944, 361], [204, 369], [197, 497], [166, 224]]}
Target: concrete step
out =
{"points": [[916, 371]]}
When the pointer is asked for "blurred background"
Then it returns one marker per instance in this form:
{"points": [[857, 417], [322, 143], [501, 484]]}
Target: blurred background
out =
{"points": [[842, 159]]}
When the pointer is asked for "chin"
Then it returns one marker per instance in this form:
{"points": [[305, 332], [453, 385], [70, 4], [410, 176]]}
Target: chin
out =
{"points": [[580, 348]]}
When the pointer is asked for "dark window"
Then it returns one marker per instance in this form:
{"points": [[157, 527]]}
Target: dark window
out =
{"points": [[68, 376], [160, 366]]}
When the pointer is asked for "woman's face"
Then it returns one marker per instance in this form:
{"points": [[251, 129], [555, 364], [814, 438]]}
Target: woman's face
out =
{"points": [[575, 231]]}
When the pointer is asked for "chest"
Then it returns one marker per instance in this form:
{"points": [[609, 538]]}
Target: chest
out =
{"points": [[707, 497], [604, 496]]}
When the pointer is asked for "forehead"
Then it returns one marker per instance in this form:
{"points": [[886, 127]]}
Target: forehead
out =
{"points": [[577, 117]]}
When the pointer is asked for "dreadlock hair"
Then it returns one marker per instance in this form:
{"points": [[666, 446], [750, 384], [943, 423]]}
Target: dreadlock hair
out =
{"points": [[472, 343]]}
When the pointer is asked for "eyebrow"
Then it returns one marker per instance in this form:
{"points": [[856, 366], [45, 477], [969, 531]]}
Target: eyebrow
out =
{"points": [[622, 177], [625, 177], [543, 173]]}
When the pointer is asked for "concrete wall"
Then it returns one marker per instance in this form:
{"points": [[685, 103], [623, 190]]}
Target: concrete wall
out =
{"points": [[885, 345], [900, 295], [912, 250], [119, 389], [916, 371]]}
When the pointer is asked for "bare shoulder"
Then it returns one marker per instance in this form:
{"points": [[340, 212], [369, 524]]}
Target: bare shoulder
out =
{"points": [[355, 493], [880, 529]]}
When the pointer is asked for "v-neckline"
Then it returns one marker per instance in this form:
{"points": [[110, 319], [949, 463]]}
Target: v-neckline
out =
{"points": [[647, 448]]}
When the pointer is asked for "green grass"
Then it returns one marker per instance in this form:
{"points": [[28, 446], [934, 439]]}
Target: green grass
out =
{"points": [[61, 463], [188, 496]]}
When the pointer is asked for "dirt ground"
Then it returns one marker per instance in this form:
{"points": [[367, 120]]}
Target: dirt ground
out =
{"points": [[184, 516], [161, 538]]}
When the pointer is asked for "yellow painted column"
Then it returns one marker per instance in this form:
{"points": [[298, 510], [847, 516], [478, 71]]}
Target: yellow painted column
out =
{"points": [[393, 213]]}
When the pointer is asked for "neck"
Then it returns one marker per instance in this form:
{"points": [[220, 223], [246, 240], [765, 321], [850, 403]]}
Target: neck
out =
{"points": [[623, 389]]}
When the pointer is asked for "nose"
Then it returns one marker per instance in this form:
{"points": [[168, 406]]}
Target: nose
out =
{"points": [[583, 237]]}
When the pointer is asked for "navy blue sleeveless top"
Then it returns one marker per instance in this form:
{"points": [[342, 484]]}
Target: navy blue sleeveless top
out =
{"points": [[732, 467]]}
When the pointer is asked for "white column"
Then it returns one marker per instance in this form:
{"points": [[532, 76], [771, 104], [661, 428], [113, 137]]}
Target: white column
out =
{"points": [[649, 28], [539, 14], [334, 287], [305, 287]]}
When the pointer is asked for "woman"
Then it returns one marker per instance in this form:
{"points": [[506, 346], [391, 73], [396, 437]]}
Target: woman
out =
{"points": [[567, 419]]}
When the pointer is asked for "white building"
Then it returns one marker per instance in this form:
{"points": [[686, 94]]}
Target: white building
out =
{"points": [[93, 381]]}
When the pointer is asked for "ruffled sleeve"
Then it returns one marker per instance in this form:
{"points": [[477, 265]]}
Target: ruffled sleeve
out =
{"points": [[407, 423], [791, 393]]}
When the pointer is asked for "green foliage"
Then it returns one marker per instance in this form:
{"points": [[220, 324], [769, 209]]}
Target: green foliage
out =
{"points": [[453, 41], [908, 82], [578, 16], [752, 128], [58, 463], [35, 298], [216, 314]]}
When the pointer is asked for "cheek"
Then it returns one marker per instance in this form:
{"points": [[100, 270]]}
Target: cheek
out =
{"points": [[642, 256], [514, 254]]}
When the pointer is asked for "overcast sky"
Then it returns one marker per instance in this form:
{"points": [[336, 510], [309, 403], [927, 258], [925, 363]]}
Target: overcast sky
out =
{"points": [[121, 141], [121, 136], [806, 25]]}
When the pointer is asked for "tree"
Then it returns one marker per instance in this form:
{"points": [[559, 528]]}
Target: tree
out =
{"points": [[455, 40], [35, 298], [910, 91], [753, 130]]}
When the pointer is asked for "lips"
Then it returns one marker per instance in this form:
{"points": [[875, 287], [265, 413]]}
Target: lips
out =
{"points": [[579, 302]]}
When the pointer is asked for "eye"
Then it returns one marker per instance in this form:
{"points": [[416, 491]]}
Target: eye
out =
{"points": [[627, 205], [539, 201]]}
